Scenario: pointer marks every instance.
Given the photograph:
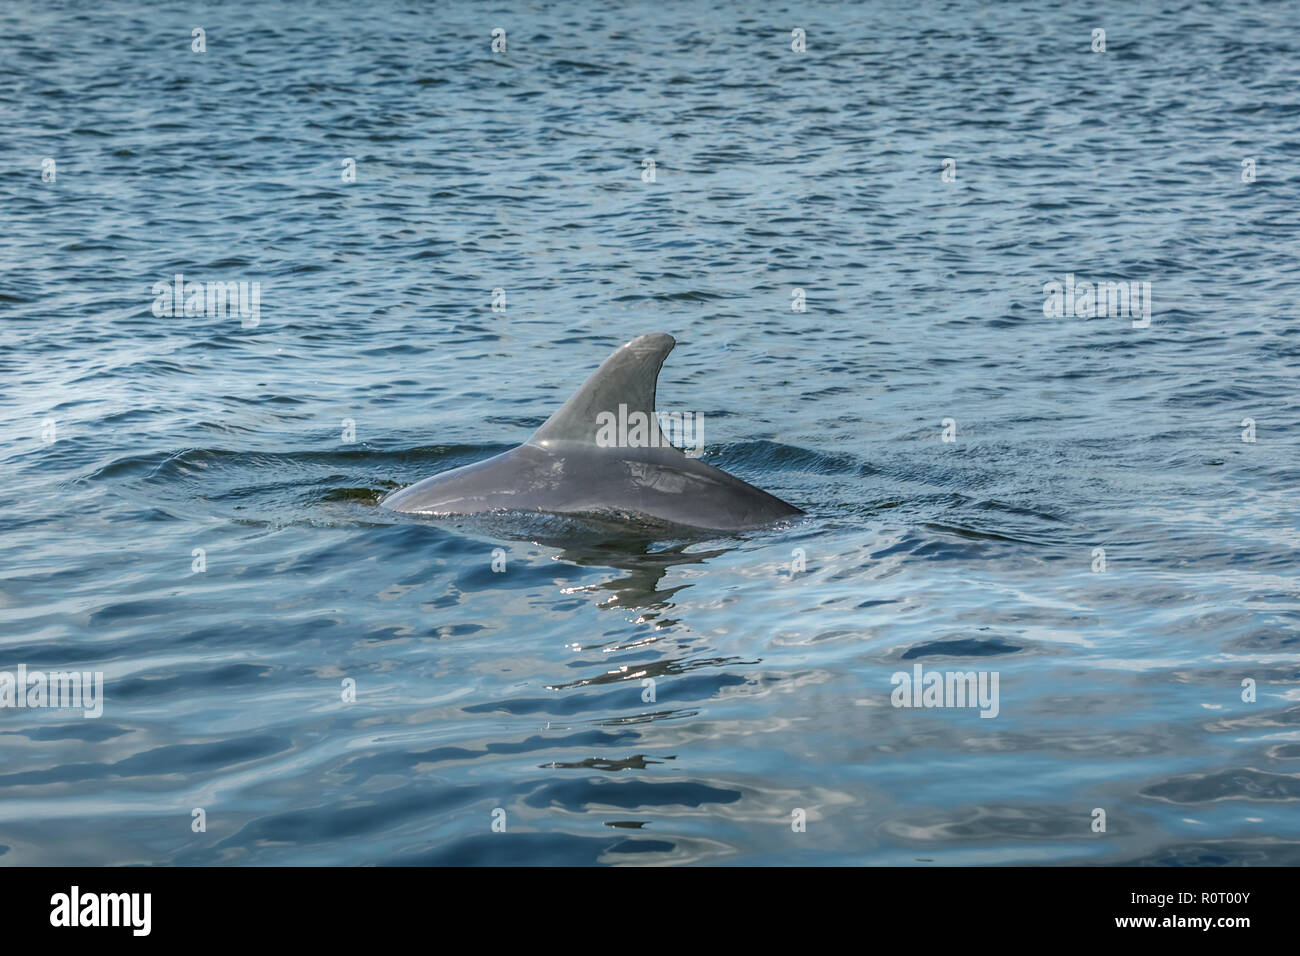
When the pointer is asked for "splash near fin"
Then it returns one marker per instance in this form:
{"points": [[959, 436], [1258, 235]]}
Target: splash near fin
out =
{"points": [[627, 378]]}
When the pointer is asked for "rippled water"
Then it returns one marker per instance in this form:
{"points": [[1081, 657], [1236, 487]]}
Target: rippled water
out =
{"points": [[522, 691]]}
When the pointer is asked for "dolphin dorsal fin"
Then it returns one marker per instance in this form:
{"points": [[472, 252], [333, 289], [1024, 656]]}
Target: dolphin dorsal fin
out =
{"points": [[628, 377]]}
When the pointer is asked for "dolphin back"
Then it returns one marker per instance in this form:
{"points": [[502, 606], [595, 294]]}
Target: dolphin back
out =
{"points": [[564, 469]]}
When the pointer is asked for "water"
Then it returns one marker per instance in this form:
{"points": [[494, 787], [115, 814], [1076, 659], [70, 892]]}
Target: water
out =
{"points": [[522, 691]]}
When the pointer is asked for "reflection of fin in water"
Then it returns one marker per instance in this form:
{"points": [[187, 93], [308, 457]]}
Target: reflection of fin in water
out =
{"points": [[634, 762], [639, 588], [646, 557]]}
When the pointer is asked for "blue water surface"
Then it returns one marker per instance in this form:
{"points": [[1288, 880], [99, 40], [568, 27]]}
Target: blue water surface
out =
{"points": [[518, 697]]}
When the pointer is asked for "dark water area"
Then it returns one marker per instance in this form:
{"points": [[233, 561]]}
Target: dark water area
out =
{"points": [[519, 694]]}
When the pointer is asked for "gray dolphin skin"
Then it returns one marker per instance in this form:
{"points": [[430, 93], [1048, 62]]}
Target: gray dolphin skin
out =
{"points": [[562, 469]]}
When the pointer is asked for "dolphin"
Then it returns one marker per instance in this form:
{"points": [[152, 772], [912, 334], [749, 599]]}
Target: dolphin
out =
{"points": [[570, 467]]}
